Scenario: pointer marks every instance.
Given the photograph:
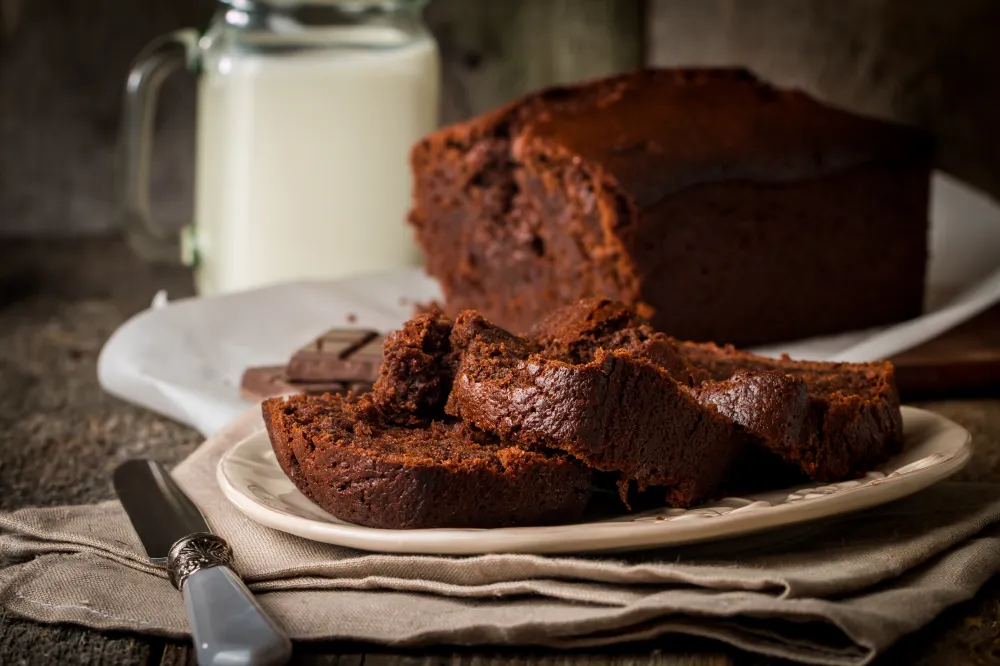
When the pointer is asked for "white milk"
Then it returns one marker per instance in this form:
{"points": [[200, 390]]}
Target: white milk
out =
{"points": [[303, 167]]}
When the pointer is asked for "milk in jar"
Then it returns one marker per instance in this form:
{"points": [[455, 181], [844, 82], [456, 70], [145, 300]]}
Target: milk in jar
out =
{"points": [[306, 115]]}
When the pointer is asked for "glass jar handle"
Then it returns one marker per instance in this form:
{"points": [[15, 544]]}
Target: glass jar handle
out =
{"points": [[155, 63]]}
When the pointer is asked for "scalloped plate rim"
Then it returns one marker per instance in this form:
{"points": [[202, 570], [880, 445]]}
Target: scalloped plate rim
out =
{"points": [[943, 438]]}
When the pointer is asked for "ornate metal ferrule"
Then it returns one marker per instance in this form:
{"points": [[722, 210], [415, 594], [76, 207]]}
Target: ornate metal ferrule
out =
{"points": [[194, 552]]}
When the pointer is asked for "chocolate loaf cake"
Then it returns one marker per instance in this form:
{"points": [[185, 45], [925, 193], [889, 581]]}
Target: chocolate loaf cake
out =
{"points": [[738, 212], [853, 422], [344, 455]]}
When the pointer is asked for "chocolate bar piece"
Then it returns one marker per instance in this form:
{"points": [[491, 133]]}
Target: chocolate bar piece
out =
{"points": [[272, 381], [338, 361], [339, 354]]}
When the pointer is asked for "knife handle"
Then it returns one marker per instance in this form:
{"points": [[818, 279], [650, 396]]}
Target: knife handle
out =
{"points": [[228, 626]]}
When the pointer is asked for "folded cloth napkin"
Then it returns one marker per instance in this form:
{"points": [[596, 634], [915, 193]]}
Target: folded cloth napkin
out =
{"points": [[836, 592]]}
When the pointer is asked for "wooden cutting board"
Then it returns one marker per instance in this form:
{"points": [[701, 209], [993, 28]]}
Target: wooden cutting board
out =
{"points": [[963, 361]]}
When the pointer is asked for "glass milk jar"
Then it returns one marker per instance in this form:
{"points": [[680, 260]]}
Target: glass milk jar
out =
{"points": [[306, 115]]}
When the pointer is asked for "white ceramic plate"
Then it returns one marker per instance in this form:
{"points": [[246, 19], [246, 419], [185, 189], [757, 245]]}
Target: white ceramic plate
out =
{"points": [[935, 448]]}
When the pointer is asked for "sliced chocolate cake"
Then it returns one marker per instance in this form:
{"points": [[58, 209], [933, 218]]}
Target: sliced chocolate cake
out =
{"points": [[343, 454]]}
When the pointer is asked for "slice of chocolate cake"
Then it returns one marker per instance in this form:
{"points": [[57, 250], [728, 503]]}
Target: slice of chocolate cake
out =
{"points": [[344, 455], [854, 421], [770, 406]]}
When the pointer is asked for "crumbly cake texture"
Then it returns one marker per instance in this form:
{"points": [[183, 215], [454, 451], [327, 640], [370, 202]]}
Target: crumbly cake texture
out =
{"points": [[853, 420], [686, 190], [416, 373], [343, 454]]}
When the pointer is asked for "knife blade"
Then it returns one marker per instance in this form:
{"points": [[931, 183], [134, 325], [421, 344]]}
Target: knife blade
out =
{"points": [[160, 512], [227, 624]]}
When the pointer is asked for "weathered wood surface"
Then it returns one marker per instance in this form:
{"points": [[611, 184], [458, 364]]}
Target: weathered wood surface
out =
{"points": [[60, 437], [62, 71], [963, 361], [925, 62], [178, 655]]}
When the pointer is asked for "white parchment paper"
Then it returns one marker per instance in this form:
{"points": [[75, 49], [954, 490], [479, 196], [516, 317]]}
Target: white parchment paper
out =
{"points": [[184, 359]]}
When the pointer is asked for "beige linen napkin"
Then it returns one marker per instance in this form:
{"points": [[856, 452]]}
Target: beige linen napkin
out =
{"points": [[835, 592]]}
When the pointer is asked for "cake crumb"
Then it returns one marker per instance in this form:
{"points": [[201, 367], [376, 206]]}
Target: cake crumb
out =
{"points": [[351, 318], [428, 307]]}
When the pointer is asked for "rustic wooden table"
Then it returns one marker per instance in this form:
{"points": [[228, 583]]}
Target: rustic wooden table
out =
{"points": [[60, 437]]}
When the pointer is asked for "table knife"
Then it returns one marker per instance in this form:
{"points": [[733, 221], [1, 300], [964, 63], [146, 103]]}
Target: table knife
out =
{"points": [[228, 626]]}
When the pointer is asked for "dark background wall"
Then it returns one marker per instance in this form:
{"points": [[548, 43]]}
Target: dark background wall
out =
{"points": [[933, 63], [63, 63], [62, 69]]}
